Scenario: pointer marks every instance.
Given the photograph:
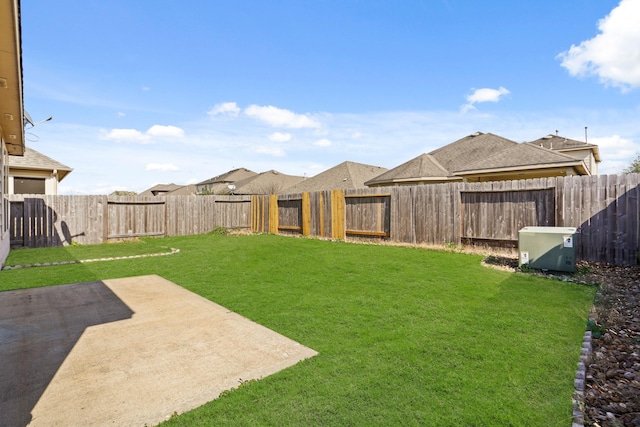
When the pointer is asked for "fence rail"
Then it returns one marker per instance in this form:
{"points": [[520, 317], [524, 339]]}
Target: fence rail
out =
{"points": [[604, 208]]}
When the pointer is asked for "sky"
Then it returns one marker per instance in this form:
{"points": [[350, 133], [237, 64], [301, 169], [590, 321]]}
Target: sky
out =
{"points": [[152, 92]]}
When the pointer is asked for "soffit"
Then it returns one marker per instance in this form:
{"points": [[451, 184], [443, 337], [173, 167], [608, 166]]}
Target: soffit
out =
{"points": [[11, 107]]}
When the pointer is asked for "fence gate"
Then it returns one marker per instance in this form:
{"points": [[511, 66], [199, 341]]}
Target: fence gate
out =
{"points": [[33, 224]]}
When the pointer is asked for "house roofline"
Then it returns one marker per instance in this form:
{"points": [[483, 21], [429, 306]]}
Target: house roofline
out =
{"points": [[415, 179], [577, 164]]}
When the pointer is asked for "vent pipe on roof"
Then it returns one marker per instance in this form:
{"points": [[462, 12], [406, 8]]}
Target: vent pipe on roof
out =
{"points": [[585, 134], [556, 132]]}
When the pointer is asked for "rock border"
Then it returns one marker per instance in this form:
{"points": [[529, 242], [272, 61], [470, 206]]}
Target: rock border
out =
{"points": [[578, 383], [84, 261]]}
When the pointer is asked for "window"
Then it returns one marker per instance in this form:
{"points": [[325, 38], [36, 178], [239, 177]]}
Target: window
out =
{"points": [[28, 185]]}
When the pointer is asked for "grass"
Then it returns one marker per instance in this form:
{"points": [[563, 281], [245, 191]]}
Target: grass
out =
{"points": [[406, 336]]}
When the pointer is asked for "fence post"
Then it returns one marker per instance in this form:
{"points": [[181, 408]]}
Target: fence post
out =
{"points": [[273, 213], [306, 214], [337, 215]]}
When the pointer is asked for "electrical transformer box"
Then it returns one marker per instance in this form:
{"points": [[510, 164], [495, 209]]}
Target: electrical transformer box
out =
{"points": [[547, 248]]}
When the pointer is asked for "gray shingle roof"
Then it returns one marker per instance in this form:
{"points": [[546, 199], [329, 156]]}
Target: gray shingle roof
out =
{"points": [[469, 149], [184, 190], [230, 176], [520, 156], [33, 159], [565, 145], [269, 182], [484, 152], [424, 166], [346, 175], [160, 189]]}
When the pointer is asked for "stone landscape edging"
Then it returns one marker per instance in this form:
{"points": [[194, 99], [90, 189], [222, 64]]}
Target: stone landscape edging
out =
{"points": [[84, 261]]}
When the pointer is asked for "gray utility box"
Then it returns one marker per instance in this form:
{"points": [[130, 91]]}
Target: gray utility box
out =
{"points": [[548, 248]]}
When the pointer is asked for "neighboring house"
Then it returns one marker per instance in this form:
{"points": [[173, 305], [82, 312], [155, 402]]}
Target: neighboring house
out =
{"points": [[35, 173], [220, 184], [160, 189], [11, 108], [344, 176], [589, 153], [488, 157], [269, 182]]}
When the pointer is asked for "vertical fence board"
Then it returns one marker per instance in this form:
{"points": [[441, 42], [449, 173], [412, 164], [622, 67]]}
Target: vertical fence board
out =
{"points": [[337, 214]]}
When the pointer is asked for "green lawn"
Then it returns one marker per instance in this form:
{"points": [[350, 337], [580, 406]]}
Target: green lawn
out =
{"points": [[406, 336]]}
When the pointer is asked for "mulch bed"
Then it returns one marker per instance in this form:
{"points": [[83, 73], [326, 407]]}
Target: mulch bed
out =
{"points": [[612, 384]]}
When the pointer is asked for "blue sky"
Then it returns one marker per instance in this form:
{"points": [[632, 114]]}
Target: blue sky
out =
{"points": [[146, 92]]}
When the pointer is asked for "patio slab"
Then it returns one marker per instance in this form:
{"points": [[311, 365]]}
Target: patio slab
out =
{"points": [[125, 352]]}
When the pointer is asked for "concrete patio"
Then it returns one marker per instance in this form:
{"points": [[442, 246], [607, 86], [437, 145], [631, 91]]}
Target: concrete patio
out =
{"points": [[125, 352]]}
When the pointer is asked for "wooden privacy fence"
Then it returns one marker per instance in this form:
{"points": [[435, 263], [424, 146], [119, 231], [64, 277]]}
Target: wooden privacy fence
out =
{"points": [[40, 221], [604, 209]]}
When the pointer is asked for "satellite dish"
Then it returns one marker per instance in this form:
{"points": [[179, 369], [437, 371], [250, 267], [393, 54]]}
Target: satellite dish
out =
{"points": [[27, 119], [231, 187]]}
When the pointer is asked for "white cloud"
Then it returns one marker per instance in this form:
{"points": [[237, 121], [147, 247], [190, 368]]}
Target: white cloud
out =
{"points": [[121, 114], [272, 151], [228, 109], [614, 54], [484, 95], [134, 135], [279, 117], [145, 88], [162, 167], [356, 135], [165, 131], [280, 137], [324, 142], [616, 153], [127, 135]]}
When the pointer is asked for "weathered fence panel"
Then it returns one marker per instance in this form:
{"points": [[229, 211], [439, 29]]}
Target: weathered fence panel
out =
{"points": [[402, 228], [130, 216], [498, 215], [231, 212]]}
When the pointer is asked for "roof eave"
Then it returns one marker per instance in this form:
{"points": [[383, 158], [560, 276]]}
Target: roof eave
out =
{"points": [[12, 114], [578, 164], [414, 179]]}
